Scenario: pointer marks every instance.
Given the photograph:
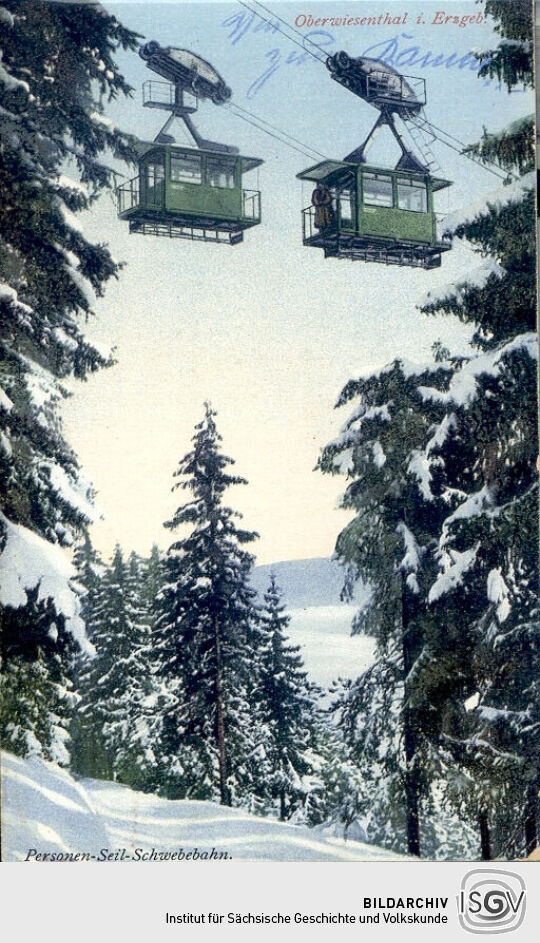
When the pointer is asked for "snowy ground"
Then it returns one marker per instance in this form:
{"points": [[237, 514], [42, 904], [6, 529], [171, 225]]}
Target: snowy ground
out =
{"points": [[46, 811]]}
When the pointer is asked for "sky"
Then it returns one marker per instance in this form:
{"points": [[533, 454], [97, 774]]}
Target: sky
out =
{"points": [[268, 331]]}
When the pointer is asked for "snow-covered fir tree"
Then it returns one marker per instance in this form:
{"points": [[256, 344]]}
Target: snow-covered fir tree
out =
{"points": [[287, 704], [204, 641], [57, 68], [115, 715], [488, 551], [390, 545], [90, 571], [459, 437], [152, 580]]}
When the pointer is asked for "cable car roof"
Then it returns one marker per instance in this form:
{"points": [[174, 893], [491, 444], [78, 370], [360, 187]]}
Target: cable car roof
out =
{"points": [[248, 163], [328, 168], [323, 170]]}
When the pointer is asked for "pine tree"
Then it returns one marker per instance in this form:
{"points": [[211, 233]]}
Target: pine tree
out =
{"points": [[138, 697], [57, 67], [152, 580], [203, 637], [286, 703], [90, 570]]}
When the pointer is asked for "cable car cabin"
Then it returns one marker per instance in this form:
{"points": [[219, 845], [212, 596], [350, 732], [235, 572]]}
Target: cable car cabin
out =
{"points": [[374, 214], [190, 193]]}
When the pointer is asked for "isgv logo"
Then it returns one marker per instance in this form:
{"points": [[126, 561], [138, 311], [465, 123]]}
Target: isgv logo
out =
{"points": [[491, 901]]}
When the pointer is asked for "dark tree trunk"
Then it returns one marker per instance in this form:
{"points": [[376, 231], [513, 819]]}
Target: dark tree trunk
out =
{"points": [[485, 839], [224, 793], [531, 826], [410, 738], [282, 806], [412, 787]]}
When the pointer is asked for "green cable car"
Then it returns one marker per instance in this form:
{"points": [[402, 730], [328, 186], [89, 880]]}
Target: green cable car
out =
{"points": [[188, 192], [372, 213]]}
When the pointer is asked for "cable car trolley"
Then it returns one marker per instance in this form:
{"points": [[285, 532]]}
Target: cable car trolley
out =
{"points": [[189, 192], [368, 212]]}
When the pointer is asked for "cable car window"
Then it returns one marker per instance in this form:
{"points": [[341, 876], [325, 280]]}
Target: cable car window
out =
{"points": [[378, 189], [220, 173], [346, 206], [155, 174], [412, 195], [186, 168]]}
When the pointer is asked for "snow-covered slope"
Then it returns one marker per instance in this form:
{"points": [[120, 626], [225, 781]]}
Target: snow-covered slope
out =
{"points": [[46, 811], [320, 622], [314, 582], [327, 647]]}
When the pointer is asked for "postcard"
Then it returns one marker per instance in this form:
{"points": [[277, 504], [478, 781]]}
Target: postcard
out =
{"points": [[268, 540]]}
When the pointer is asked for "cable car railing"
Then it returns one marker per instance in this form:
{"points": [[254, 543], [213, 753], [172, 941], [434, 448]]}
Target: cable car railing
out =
{"points": [[251, 204], [342, 220], [163, 95], [128, 198], [128, 195]]}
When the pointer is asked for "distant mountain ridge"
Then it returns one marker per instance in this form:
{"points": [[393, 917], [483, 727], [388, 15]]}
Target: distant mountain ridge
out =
{"points": [[305, 583]]}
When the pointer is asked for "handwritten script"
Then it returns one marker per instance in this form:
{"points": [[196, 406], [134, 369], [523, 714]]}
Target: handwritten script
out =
{"points": [[399, 50]]}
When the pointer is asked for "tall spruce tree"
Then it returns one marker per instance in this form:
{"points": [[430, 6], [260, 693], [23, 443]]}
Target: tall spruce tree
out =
{"points": [[57, 69], [204, 641], [90, 571], [488, 552], [390, 545], [287, 705], [469, 575]]}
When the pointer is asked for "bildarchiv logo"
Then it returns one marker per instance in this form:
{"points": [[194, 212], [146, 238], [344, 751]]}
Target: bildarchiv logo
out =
{"points": [[491, 901]]}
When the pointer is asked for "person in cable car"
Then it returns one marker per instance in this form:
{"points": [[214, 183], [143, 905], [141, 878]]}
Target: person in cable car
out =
{"points": [[321, 199]]}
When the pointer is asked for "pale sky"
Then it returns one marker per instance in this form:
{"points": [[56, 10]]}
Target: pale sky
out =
{"points": [[268, 331]]}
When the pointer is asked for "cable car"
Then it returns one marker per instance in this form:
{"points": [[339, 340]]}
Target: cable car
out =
{"points": [[190, 192], [368, 212]]}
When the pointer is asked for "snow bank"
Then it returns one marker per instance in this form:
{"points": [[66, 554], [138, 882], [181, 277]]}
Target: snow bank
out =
{"points": [[43, 807], [47, 810]]}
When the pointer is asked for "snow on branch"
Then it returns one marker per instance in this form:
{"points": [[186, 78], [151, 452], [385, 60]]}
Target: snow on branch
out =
{"points": [[497, 592], [422, 462], [77, 493], [412, 558], [495, 200], [476, 278], [457, 564], [463, 386], [28, 561]]}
